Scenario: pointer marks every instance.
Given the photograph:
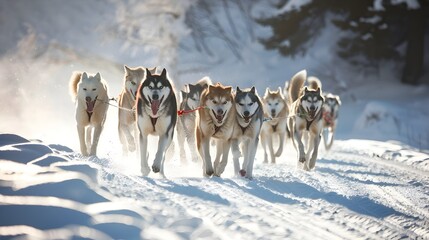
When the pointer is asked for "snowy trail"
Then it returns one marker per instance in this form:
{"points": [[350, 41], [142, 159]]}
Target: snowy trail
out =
{"points": [[360, 189], [352, 194]]}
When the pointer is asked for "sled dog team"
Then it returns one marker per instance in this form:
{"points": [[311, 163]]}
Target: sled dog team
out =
{"points": [[208, 113]]}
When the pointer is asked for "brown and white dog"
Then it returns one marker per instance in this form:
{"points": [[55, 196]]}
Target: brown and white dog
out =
{"points": [[330, 118], [91, 95], [276, 111], [305, 118], [127, 128], [215, 120]]}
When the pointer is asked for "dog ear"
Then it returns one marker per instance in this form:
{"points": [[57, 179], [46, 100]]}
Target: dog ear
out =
{"points": [[84, 75], [305, 89], [98, 76], [126, 68], [191, 87], [229, 89], [183, 94], [148, 74], [164, 73], [318, 90], [238, 89], [267, 91], [338, 99], [253, 90]]}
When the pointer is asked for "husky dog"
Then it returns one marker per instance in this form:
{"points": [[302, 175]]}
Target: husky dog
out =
{"points": [[215, 120], [249, 118], [277, 111], [90, 94], [127, 130], [186, 122], [305, 117], [156, 115], [330, 117]]}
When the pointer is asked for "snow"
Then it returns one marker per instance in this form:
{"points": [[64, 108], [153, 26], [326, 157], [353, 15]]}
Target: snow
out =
{"points": [[372, 184]]}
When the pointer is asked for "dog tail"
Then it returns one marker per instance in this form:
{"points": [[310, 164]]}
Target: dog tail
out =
{"points": [[296, 84], [314, 83], [74, 80], [205, 82]]}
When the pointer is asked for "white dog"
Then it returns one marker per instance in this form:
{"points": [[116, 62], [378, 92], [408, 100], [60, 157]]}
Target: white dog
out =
{"points": [[90, 94]]}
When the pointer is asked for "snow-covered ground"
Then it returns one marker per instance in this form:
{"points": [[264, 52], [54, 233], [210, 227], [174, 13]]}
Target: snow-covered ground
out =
{"points": [[373, 184], [360, 189]]}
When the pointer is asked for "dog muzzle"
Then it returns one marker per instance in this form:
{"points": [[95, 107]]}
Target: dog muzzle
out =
{"points": [[90, 104]]}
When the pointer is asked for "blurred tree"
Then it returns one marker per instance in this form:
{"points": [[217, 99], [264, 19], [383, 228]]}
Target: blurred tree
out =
{"points": [[376, 30]]}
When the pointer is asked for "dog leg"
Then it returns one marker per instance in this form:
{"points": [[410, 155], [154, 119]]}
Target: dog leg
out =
{"points": [[192, 147], [122, 139], [301, 154], [81, 133], [271, 148], [312, 162], [264, 146], [208, 167], [97, 132], [143, 155], [236, 156], [88, 137], [281, 142], [181, 141], [219, 151], [226, 144], [163, 143], [251, 157]]}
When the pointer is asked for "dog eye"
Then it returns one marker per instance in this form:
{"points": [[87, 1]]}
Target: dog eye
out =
{"points": [[224, 102], [277, 103], [84, 89], [240, 104], [94, 89], [214, 101], [161, 87], [150, 87], [133, 83]]}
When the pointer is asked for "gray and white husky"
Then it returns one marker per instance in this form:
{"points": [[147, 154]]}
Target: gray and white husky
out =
{"points": [[90, 94], [276, 111], [249, 118], [127, 128], [156, 115], [330, 118], [305, 118], [186, 123]]}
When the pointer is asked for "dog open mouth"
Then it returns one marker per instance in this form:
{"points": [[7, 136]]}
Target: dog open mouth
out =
{"points": [[219, 117], [247, 119], [90, 104], [312, 113], [154, 105]]}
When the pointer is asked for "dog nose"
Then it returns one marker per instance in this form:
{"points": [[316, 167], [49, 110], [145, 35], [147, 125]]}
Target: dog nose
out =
{"points": [[88, 99], [155, 97], [273, 112], [312, 108], [246, 113], [219, 112]]}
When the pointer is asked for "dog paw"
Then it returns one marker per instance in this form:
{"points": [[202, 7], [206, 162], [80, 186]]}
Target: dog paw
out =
{"points": [[155, 169], [302, 159], [242, 172], [145, 171], [208, 173]]}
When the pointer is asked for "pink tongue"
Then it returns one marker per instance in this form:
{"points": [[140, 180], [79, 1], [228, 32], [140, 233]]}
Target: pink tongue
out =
{"points": [[90, 106], [155, 106]]}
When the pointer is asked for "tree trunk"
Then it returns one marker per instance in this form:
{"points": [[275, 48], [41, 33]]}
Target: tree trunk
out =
{"points": [[414, 57]]}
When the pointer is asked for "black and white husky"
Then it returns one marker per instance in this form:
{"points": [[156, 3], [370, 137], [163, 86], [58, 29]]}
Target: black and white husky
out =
{"points": [[156, 115], [330, 118], [186, 123], [305, 118], [249, 118]]}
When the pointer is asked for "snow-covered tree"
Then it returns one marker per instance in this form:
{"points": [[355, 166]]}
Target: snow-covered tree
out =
{"points": [[376, 30]]}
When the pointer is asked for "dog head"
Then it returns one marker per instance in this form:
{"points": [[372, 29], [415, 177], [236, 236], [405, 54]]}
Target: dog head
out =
{"points": [[133, 77], [218, 99], [332, 104], [155, 90], [89, 88], [274, 102], [311, 101], [246, 103], [193, 96]]}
